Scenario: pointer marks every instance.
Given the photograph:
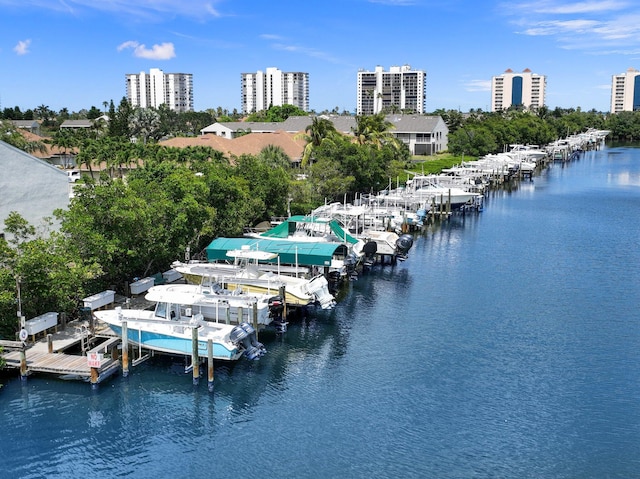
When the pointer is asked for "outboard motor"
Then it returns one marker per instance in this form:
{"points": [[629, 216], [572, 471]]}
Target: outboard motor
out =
{"points": [[403, 245], [350, 263], [333, 279], [370, 249], [244, 336], [276, 307]]}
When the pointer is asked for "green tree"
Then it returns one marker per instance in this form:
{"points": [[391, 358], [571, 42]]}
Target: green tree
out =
{"points": [[277, 113], [319, 130], [144, 123], [43, 271]]}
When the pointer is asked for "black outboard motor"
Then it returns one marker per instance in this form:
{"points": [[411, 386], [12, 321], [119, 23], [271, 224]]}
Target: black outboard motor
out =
{"points": [[276, 308], [403, 245], [370, 249], [333, 278], [350, 264], [244, 336]]}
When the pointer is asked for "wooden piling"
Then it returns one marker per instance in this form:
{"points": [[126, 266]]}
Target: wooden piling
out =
{"points": [[23, 363], [282, 292], [255, 318], [195, 360], [94, 377], [50, 343], [210, 370], [125, 350]]}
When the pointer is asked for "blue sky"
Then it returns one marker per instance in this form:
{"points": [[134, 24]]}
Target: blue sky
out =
{"points": [[75, 53]]}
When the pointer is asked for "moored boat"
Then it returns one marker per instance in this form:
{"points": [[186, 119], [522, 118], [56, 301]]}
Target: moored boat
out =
{"points": [[221, 316], [247, 274]]}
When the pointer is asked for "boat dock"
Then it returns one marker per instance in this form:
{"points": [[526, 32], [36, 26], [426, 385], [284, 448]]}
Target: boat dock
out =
{"points": [[96, 360]]}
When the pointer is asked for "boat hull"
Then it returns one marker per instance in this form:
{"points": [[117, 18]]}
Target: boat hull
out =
{"points": [[171, 337], [173, 345]]}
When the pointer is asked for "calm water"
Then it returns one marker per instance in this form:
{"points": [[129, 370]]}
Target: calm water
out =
{"points": [[507, 346]]}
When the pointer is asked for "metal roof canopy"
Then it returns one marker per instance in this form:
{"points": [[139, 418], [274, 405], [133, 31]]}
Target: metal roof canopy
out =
{"points": [[290, 252]]}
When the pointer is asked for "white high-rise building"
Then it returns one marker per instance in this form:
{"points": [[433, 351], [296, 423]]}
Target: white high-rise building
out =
{"points": [[156, 88], [401, 88], [260, 90], [524, 89], [625, 91]]}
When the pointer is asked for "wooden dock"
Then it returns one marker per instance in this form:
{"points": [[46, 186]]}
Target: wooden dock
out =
{"points": [[47, 356]]}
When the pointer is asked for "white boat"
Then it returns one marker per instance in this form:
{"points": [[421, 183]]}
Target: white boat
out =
{"points": [[246, 273], [427, 189], [386, 243], [174, 336], [217, 304], [179, 308], [311, 230]]}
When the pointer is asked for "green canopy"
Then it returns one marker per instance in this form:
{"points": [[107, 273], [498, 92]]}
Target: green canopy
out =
{"points": [[290, 225], [305, 253]]}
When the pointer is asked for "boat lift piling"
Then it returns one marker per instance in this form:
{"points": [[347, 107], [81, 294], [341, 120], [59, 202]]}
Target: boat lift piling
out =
{"points": [[125, 350], [210, 368], [255, 319], [195, 360]]}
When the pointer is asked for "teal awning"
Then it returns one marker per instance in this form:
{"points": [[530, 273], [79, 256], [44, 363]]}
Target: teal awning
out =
{"points": [[290, 252], [290, 225]]}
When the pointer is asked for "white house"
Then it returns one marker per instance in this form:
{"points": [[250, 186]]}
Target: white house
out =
{"points": [[424, 135]]}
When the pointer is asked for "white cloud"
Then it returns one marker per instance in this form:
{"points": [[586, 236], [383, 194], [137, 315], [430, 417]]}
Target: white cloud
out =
{"points": [[163, 51], [394, 3], [147, 9], [478, 85], [559, 27], [271, 36], [594, 26], [555, 7], [22, 48]]}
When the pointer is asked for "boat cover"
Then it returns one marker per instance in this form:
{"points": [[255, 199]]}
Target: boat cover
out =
{"points": [[290, 252]]}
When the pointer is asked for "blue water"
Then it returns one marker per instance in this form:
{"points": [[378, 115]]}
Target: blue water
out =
{"points": [[506, 346]]}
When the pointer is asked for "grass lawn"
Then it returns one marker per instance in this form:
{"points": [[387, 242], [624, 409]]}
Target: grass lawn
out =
{"points": [[434, 164]]}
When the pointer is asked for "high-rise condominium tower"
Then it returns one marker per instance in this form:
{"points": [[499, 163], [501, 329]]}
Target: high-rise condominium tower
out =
{"points": [[401, 89], [260, 90], [156, 88]]}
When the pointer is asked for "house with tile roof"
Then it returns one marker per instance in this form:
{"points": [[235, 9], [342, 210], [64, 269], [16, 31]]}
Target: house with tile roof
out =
{"points": [[424, 135], [249, 144], [30, 186]]}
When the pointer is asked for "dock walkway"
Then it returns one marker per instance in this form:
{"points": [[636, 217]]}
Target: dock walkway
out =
{"points": [[48, 356]]}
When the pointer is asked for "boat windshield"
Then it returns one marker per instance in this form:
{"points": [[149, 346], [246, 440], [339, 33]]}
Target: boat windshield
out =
{"points": [[161, 310]]}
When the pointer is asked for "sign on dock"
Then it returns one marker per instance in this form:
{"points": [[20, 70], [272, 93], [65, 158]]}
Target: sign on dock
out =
{"points": [[94, 360]]}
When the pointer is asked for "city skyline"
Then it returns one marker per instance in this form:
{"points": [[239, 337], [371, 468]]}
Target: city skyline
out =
{"points": [[74, 53]]}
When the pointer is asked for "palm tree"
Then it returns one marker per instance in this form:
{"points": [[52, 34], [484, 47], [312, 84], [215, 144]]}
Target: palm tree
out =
{"points": [[144, 122], [319, 130], [275, 157], [373, 129], [64, 140]]}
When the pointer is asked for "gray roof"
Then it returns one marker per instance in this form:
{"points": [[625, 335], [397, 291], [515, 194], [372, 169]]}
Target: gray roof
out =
{"points": [[30, 186], [77, 124], [343, 124], [26, 123], [415, 123], [82, 123]]}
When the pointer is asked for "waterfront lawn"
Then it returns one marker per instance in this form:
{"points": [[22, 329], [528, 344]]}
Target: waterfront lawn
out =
{"points": [[434, 164]]}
